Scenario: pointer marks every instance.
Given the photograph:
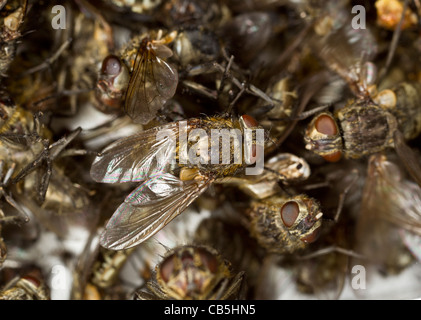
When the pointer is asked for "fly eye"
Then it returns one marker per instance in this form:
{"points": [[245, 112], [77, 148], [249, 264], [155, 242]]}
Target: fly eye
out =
{"points": [[34, 280], [312, 236], [289, 213], [167, 268], [326, 124], [249, 121], [111, 66], [208, 260], [333, 157]]}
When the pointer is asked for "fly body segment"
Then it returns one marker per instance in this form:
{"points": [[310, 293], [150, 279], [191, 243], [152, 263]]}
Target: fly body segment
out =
{"points": [[193, 273]]}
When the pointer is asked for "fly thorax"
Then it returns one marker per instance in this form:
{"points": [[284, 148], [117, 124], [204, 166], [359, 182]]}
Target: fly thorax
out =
{"points": [[215, 147], [366, 129]]}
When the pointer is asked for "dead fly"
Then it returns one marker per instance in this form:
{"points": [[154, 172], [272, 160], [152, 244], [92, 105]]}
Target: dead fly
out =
{"points": [[193, 273], [390, 209], [232, 240], [152, 80], [25, 288], [372, 121], [280, 222], [284, 224], [96, 272], [27, 150], [25, 142], [172, 176], [12, 14]]}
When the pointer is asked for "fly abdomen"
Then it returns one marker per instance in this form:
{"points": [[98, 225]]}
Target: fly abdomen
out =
{"points": [[408, 108], [366, 129]]}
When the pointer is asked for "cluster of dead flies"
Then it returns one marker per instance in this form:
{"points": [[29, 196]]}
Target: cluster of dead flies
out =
{"points": [[94, 206]]}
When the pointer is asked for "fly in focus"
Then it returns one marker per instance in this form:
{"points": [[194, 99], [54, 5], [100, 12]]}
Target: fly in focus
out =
{"points": [[169, 183]]}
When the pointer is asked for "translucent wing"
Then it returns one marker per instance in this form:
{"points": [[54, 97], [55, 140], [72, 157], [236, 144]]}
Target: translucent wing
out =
{"points": [[137, 157], [408, 157], [347, 52], [390, 203], [413, 242], [152, 83], [149, 208], [389, 196]]}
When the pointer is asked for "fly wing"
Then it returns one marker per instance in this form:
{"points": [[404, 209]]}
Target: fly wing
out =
{"points": [[137, 157], [149, 208], [389, 196], [347, 52], [390, 203], [408, 157], [152, 83]]}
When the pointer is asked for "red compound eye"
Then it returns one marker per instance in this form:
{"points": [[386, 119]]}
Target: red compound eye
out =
{"points": [[208, 260], [111, 66], [167, 268], [249, 121], [289, 213], [326, 124], [311, 237], [34, 280], [333, 157]]}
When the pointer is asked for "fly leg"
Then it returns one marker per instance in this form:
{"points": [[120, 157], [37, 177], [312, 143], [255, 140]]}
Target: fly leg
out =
{"points": [[44, 162], [5, 180], [332, 249]]}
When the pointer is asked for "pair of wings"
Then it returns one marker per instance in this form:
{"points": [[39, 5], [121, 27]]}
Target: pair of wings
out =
{"points": [[151, 84], [157, 200]]}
